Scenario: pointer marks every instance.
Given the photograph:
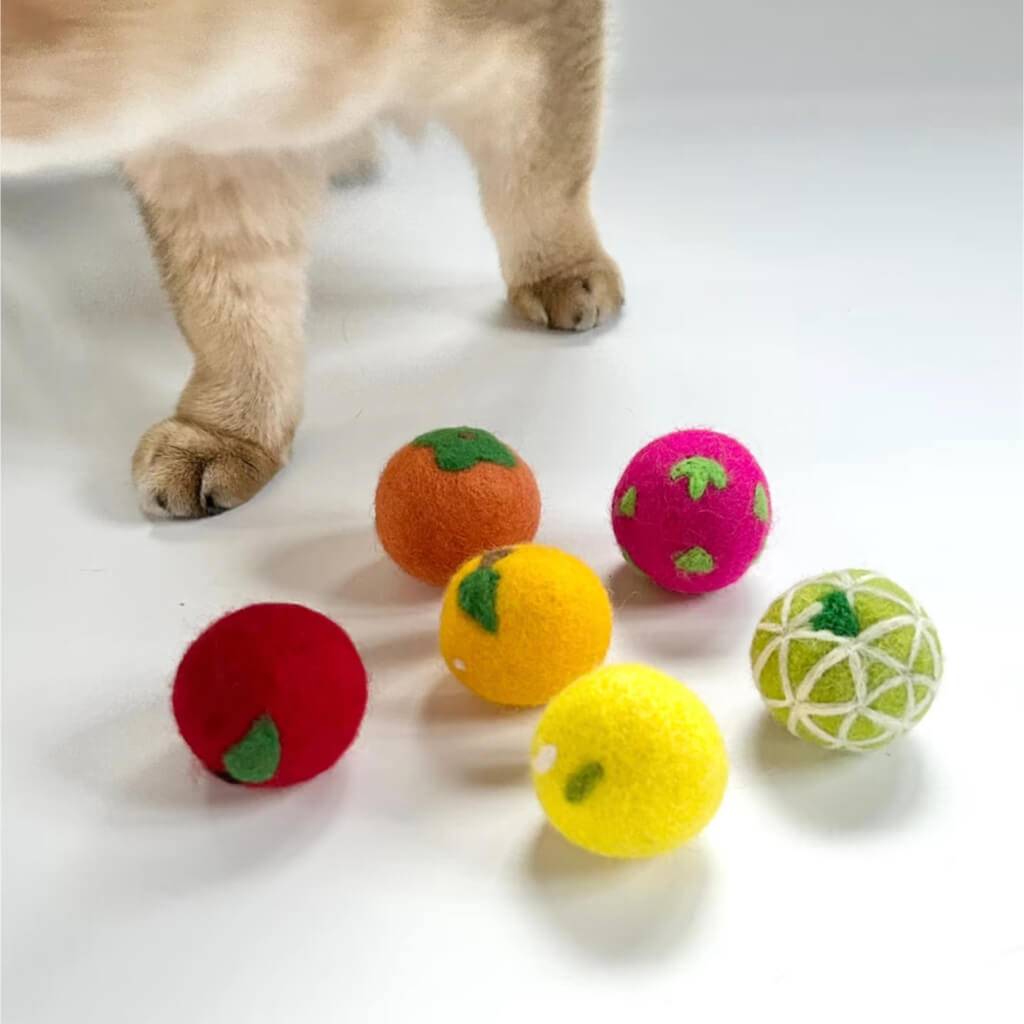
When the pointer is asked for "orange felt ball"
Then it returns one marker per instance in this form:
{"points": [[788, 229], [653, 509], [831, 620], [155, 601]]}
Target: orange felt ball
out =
{"points": [[451, 494]]}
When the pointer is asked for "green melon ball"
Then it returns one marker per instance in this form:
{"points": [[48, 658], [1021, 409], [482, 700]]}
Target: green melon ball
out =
{"points": [[848, 660]]}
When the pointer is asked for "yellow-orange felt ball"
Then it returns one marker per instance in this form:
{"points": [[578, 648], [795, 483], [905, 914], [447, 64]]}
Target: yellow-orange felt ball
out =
{"points": [[520, 624], [451, 494]]}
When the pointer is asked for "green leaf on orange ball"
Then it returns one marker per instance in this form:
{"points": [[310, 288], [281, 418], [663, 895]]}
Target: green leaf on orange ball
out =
{"points": [[627, 503], [583, 781], [478, 597], [460, 448], [700, 472], [695, 562], [761, 503], [255, 757]]}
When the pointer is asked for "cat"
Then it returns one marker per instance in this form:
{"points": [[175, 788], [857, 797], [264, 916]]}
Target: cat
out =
{"points": [[224, 116]]}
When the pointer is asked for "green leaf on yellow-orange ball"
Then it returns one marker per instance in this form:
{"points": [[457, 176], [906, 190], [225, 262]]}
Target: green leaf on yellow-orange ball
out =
{"points": [[255, 757], [460, 448], [478, 597]]}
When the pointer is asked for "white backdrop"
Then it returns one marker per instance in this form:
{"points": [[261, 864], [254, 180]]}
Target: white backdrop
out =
{"points": [[817, 210], [693, 49]]}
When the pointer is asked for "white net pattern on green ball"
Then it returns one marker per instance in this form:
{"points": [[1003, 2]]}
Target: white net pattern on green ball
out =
{"points": [[803, 712]]}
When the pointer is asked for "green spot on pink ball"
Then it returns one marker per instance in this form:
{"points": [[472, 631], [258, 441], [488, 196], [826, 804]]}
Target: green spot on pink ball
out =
{"points": [[761, 503], [701, 473], [695, 562]]}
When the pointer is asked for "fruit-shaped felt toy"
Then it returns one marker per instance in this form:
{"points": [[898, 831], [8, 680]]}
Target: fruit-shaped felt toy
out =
{"points": [[270, 695], [692, 511], [627, 762], [519, 624], [452, 494], [848, 660]]}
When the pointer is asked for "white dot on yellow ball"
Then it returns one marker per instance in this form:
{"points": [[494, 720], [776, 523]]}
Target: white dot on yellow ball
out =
{"points": [[458, 664], [545, 758]]}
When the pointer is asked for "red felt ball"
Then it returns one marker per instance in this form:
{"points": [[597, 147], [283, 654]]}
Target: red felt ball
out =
{"points": [[270, 695]]}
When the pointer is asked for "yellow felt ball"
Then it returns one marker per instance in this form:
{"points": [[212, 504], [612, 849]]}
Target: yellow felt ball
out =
{"points": [[519, 624], [628, 762]]}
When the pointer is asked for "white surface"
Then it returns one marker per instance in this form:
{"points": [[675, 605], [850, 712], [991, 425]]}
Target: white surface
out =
{"points": [[834, 278]]}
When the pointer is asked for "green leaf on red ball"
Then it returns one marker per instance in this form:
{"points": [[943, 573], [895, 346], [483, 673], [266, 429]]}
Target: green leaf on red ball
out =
{"points": [[460, 448], [255, 757]]}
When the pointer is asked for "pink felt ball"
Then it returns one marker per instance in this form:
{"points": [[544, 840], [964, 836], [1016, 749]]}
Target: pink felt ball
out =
{"points": [[692, 511]]}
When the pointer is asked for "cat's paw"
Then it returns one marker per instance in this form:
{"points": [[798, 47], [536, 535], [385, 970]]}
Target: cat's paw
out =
{"points": [[574, 300], [183, 470]]}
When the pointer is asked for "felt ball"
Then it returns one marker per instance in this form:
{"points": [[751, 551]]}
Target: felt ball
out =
{"points": [[628, 762], [270, 695], [519, 624], [451, 494], [692, 511], [848, 660]]}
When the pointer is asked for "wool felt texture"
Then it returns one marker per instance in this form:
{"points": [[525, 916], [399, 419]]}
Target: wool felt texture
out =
{"points": [[551, 618], [761, 509], [256, 756], [430, 519], [692, 511], [848, 660], [270, 695], [478, 597], [458, 448], [628, 762], [837, 615]]}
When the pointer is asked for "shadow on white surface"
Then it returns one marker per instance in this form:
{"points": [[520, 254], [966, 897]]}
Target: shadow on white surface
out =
{"points": [[382, 585], [630, 591], [359, 289], [106, 489], [617, 910], [837, 792], [401, 650], [143, 774], [321, 567], [680, 624], [476, 742], [401, 668]]}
